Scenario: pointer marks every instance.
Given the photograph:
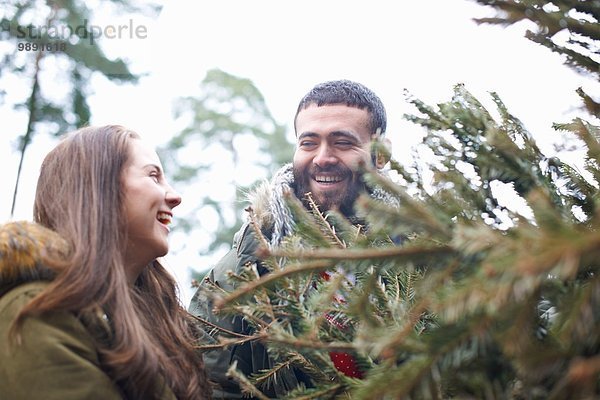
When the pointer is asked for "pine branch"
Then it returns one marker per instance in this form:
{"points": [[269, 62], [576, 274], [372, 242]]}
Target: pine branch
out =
{"points": [[255, 227], [359, 254], [464, 307], [328, 230], [328, 392], [224, 343], [395, 382], [220, 328], [387, 349], [584, 372], [592, 105], [266, 376], [245, 384], [270, 278], [299, 343]]}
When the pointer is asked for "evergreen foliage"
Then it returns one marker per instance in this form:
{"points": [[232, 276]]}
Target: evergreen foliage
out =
{"points": [[451, 294], [567, 27], [50, 42], [228, 110]]}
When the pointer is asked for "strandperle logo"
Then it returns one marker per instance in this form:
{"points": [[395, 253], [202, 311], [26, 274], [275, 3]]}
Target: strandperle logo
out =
{"points": [[64, 32]]}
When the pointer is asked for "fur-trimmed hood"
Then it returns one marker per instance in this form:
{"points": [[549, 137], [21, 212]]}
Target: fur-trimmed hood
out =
{"points": [[270, 208], [269, 205], [23, 248]]}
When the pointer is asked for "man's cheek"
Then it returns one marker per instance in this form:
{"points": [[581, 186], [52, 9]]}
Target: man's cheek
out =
{"points": [[360, 159], [356, 165]]}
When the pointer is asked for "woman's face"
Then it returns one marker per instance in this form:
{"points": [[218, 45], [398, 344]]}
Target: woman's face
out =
{"points": [[149, 202]]}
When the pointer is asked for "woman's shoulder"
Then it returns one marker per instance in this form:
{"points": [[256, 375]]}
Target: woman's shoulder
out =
{"points": [[50, 349], [16, 298], [39, 329]]}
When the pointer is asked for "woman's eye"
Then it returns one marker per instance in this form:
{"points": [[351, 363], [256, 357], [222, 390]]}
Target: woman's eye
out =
{"points": [[154, 176]]}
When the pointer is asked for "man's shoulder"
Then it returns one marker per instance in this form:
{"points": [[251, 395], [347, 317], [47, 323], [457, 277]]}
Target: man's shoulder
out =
{"points": [[266, 200], [244, 250]]}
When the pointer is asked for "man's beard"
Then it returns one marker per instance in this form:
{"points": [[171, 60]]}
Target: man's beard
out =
{"points": [[342, 201]]}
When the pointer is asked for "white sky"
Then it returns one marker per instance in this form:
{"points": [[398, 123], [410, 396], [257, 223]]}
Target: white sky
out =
{"points": [[285, 48]]}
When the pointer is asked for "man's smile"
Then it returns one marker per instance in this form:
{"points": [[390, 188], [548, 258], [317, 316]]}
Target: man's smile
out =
{"points": [[328, 179]]}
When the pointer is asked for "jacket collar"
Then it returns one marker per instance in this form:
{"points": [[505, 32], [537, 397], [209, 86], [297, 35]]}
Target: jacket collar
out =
{"points": [[271, 210], [23, 248]]}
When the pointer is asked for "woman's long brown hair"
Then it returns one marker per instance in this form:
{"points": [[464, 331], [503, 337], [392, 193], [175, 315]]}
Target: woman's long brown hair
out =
{"points": [[79, 196]]}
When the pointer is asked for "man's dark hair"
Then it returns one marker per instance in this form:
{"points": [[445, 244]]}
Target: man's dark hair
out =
{"points": [[352, 94]]}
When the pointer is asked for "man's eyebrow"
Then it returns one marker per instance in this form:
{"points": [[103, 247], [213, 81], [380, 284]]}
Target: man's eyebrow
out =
{"points": [[336, 134], [304, 135], [345, 134]]}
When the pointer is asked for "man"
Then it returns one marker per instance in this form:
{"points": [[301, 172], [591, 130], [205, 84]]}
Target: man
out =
{"points": [[335, 124]]}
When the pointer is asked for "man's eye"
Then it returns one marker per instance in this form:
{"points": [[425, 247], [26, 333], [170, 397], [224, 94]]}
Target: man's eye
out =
{"points": [[154, 176], [307, 144], [343, 143]]}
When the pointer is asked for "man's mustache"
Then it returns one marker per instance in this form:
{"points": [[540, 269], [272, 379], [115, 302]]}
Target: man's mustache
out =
{"points": [[332, 170]]}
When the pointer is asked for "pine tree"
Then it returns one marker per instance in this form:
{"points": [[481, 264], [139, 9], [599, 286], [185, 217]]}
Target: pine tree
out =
{"points": [[48, 42], [450, 293], [227, 110], [567, 27]]}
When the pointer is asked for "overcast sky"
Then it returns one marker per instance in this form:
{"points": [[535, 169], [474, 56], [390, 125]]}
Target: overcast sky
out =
{"points": [[285, 48]]}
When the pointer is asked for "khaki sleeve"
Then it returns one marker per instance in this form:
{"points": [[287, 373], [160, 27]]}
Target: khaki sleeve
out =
{"points": [[56, 359]]}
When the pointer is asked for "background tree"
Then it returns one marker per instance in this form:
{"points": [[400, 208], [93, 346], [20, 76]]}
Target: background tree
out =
{"points": [[228, 122], [567, 27], [39, 51], [481, 300]]}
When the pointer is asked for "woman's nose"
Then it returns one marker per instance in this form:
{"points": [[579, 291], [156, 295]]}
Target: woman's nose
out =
{"points": [[172, 197]]}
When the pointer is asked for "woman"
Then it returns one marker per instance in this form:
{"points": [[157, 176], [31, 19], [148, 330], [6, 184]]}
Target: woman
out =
{"points": [[86, 309]]}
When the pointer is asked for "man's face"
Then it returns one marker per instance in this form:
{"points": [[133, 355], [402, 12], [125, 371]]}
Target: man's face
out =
{"points": [[332, 142]]}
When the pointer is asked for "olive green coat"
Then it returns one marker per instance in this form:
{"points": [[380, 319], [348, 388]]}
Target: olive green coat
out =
{"points": [[56, 357], [275, 221], [250, 357]]}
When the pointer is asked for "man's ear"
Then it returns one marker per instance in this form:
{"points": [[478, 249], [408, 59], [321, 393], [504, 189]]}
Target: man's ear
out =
{"points": [[383, 152]]}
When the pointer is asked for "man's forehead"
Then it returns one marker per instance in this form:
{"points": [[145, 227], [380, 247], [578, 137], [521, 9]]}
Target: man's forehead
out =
{"points": [[332, 118]]}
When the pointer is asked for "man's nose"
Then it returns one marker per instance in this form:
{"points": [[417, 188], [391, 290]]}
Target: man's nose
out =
{"points": [[325, 156]]}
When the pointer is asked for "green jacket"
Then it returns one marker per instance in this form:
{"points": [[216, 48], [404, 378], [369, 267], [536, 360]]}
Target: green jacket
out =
{"points": [[57, 357], [251, 357], [275, 222]]}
